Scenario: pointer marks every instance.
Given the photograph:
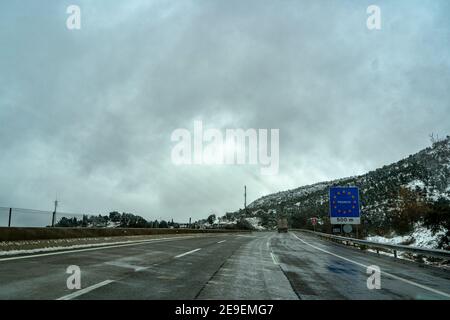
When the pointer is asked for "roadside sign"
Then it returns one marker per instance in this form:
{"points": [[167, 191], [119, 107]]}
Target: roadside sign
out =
{"points": [[347, 228], [344, 205], [314, 222]]}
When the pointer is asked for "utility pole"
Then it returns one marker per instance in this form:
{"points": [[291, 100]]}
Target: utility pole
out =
{"points": [[245, 198], [9, 220], [54, 212]]}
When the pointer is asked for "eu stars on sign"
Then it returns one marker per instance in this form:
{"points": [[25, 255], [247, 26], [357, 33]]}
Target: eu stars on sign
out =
{"points": [[344, 205]]}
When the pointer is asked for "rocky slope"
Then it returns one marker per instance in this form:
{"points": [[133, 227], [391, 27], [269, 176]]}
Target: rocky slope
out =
{"points": [[425, 174]]}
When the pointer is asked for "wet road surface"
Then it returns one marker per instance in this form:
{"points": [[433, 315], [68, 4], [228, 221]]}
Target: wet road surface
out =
{"points": [[260, 265]]}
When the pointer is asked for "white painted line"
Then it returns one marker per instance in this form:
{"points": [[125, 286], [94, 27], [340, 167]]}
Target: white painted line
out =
{"points": [[274, 259], [268, 242], [85, 290], [222, 241], [186, 253], [382, 272], [125, 265], [100, 247]]}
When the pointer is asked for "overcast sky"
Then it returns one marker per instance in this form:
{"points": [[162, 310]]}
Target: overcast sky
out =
{"points": [[88, 114]]}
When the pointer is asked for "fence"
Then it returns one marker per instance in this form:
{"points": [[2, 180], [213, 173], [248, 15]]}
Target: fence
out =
{"points": [[20, 217], [394, 248]]}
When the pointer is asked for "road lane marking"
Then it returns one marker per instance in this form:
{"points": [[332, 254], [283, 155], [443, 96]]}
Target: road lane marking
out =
{"points": [[85, 290], [382, 272], [268, 241], [186, 253], [222, 241], [274, 259], [125, 265], [100, 247]]}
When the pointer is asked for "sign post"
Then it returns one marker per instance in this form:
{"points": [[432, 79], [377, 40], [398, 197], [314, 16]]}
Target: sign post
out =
{"points": [[9, 219], [344, 205], [314, 222]]}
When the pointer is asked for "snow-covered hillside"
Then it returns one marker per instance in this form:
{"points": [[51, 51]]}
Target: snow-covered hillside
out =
{"points": [[425, 175]]}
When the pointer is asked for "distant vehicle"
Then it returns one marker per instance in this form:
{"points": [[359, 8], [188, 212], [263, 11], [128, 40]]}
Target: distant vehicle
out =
{"points": [[282, 225]]}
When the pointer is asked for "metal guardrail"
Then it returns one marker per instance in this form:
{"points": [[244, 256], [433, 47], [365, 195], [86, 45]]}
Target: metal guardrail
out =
{"points": [[436, 253]]}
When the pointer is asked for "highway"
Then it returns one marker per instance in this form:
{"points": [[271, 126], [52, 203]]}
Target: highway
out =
{"points": [[258, 265]]}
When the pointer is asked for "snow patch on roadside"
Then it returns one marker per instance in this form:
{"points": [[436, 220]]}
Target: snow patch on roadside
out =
{"points": [[420, 237], [61, 248], [255, 223]]}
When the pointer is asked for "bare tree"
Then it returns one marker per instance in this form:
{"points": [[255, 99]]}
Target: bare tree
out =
{"points": [[433, 138]]}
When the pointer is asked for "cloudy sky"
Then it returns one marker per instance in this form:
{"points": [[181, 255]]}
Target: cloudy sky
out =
{"points": [[88, 114]]}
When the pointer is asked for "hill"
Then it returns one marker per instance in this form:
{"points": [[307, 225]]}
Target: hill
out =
{"points": [[395, 199]]}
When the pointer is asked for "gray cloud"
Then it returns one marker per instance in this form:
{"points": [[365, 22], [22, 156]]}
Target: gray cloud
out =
{"points": [[88, 114]]}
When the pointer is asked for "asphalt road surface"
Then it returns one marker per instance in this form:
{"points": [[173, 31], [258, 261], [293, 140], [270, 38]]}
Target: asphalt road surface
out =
{"points": [[260, 265]]}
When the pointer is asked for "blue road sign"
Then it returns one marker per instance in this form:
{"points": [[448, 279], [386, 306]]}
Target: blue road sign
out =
{"points": [[344, 205]]}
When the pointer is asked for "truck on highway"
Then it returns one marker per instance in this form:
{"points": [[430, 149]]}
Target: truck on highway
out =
{"points": [[282, 225]]}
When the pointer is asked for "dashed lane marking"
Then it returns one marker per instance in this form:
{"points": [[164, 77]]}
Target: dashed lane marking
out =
{"points": [[186, 253], [85, 290], [125, 265], [274, 259], [99, 247]]}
